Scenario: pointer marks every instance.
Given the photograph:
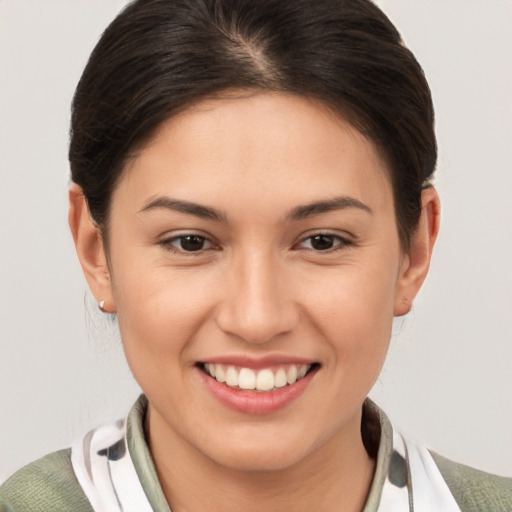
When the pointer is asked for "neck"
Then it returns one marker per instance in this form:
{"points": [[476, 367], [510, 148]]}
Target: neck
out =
{"points": [[336, 476]]}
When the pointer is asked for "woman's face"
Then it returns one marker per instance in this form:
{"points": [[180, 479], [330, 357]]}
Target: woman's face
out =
{"points": [[255, 238]]}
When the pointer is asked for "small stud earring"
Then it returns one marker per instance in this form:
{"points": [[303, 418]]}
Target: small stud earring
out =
{"points": [[101, 306]]}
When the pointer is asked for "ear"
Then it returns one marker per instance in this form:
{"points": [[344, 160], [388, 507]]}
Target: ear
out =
{"points": [[416, 263], [90, 249]]}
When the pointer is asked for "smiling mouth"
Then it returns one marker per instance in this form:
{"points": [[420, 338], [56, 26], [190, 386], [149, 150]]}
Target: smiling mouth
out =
{"points": [[262, 380]]}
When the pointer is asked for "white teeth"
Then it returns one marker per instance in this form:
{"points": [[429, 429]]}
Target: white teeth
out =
{"points": [[246, 379], [220, 374], [231, 377], [291, 374], [302, 371], [265, 380], [262, 380], [280, 378]]}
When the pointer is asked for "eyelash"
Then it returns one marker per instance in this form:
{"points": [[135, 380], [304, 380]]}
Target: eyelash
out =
{"points": [[168, 244], [342, 244]]}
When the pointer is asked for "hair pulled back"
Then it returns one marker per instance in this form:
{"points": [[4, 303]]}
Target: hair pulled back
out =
{"points": [[160, 56]]}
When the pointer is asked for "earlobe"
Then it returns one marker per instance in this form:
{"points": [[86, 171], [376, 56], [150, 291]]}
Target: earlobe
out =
{"points": [[415, 266], [90, 248]]}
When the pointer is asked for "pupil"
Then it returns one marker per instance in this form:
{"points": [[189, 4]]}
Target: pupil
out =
{"points": [[192, 243], [322, 242]]}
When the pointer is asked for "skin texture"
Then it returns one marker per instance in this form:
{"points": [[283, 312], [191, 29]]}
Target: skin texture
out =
{"points": [[257, 288]]}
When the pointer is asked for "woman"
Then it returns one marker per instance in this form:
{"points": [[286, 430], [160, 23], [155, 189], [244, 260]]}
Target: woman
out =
{"points": [[251, 198]]}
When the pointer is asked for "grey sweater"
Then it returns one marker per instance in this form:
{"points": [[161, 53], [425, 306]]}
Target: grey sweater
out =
{"points": [[49, 484]]}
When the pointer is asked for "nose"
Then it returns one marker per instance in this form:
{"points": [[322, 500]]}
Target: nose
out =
{"points": [[257, 304]]}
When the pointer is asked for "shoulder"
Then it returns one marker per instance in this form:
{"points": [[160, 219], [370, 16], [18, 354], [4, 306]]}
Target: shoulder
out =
{"points": [[46, 484], [475, 490]]}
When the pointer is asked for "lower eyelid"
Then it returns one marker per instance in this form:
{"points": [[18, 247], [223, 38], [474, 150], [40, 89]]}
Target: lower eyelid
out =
{"points": [[338, 241], [170, 243]]}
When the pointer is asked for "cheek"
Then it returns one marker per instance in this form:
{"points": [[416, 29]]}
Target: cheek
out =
{"points": [[157, 322], [152, 305], [161, 309], [353, 309]]}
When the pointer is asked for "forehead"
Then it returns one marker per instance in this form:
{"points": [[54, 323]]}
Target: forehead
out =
{"points": [[277, 146]]}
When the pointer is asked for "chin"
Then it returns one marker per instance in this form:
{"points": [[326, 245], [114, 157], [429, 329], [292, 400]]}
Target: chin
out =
{"points": [[257, 457], [261, 448]]}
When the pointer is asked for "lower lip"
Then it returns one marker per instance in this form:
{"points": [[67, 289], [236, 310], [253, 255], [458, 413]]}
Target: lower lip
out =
{"points": [[254, 402]]}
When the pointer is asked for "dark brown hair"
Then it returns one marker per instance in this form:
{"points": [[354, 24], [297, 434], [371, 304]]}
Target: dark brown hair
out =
{"points": [[160, 56]]}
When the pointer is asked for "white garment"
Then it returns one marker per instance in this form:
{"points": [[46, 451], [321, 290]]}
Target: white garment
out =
{"points": [[106, 472]]}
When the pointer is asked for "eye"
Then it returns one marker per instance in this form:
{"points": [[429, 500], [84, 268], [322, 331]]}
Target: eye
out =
{"points": [[323, 242], [187, 243]]}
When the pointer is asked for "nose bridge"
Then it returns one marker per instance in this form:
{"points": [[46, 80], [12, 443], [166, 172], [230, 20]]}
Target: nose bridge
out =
{"points": [[257, 305]]}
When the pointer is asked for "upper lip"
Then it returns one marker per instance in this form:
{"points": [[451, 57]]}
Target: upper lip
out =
{"points": [[256, 363]]}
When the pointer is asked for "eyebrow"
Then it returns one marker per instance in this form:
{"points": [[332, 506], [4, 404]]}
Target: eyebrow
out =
{"points": [[203, 212], [319, 207], [298, 213]]}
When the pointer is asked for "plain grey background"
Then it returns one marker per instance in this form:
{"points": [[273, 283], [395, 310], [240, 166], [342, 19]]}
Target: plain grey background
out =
{"points": [[448, 378]]}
